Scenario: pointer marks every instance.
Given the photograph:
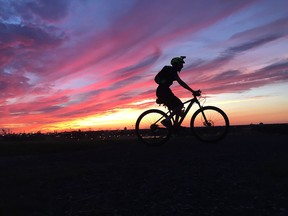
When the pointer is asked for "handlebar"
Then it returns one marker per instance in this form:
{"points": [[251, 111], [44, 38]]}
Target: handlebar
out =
{"points": [[197, 93]]}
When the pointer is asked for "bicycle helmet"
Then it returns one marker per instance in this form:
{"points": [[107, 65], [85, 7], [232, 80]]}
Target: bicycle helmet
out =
{"points": [[178, 60]]}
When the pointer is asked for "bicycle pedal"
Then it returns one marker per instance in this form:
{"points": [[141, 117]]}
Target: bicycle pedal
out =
{"points": [[166, 123]]}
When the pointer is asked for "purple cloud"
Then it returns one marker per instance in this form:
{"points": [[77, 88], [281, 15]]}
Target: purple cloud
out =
{"points": [[70, 59]]}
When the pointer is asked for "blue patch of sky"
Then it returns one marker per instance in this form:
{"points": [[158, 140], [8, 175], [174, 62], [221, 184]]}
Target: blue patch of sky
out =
{"points": [[245, 19], [98, 15], [32, 77], [204, 43], [75, 83], [15, 20]]}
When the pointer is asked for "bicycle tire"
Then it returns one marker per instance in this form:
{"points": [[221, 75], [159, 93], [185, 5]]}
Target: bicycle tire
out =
{"points": [[149, 129], [217, 127]]}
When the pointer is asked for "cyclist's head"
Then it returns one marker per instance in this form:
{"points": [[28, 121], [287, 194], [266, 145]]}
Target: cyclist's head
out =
{"points": [[178, 62]]}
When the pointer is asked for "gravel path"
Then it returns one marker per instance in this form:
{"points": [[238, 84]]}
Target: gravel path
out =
{"points": [[241, 175]]}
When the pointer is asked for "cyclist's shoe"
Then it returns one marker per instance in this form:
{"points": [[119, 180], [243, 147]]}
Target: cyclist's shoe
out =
{"points": [[166, 123]]}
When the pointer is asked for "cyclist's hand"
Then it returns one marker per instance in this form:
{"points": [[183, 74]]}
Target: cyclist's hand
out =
{"points": [[196, 93]]}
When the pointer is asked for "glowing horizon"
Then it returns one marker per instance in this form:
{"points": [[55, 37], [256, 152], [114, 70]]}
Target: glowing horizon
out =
{"points": [[79, 65]]}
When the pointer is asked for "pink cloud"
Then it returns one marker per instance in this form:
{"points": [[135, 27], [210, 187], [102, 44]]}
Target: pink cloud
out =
{"points": [[235, 80], [279, 27], [74, 69]]}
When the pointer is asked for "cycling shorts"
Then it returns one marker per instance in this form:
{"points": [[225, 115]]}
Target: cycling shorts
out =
{"points": [[167, 97]]}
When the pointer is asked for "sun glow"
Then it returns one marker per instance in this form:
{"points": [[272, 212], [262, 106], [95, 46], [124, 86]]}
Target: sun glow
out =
{"points": [[112, 119], [143, 102]]}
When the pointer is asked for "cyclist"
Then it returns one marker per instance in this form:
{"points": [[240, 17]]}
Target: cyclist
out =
{"points": [[165, 79]]}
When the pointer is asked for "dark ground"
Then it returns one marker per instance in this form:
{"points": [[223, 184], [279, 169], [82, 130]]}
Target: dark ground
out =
{"points": [[244, 174]]}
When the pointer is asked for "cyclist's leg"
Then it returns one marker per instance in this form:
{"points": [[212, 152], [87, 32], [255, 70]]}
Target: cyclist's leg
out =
{"points": [[175, 105]]}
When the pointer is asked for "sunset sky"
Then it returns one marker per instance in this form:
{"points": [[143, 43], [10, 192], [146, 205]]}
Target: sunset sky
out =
{"points": [[90, 64]]}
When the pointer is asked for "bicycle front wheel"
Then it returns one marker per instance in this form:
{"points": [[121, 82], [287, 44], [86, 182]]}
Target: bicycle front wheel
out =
{"points": [[149, 128], [209, 124]]}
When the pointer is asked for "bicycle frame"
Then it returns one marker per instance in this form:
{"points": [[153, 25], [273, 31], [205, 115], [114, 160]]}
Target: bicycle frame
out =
{"points": [[208, 123], [191, 102]]}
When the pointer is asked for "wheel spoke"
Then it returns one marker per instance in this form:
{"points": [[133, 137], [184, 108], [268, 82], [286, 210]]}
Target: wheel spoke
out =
{"points": [[149, 128], [216, 126]]}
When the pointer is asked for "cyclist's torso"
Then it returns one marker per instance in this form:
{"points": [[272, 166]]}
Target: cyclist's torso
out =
{"points": [[166, 76], [165, 79]]}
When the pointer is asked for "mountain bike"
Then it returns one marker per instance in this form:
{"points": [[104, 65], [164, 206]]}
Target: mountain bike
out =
{"points": [[208, 123]]}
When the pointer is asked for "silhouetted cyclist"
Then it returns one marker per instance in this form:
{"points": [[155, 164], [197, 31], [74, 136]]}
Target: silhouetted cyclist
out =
{"points": [[165, 96]]}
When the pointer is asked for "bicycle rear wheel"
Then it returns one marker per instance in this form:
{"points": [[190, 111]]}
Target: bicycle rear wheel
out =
{"points": [[209, 124], [149, 128]]}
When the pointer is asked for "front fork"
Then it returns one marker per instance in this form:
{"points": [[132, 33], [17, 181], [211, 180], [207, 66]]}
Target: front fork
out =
{"points": [[206, 122]]}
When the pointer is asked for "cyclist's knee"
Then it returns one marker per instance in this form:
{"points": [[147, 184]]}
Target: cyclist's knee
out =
{"points": [[178, 109]]}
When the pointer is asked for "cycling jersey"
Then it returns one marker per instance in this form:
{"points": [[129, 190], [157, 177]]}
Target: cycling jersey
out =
{"points": [[166, 76]]}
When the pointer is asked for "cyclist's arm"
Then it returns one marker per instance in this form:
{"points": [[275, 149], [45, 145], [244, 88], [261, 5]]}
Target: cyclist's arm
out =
{"points": [[183, 84]]}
